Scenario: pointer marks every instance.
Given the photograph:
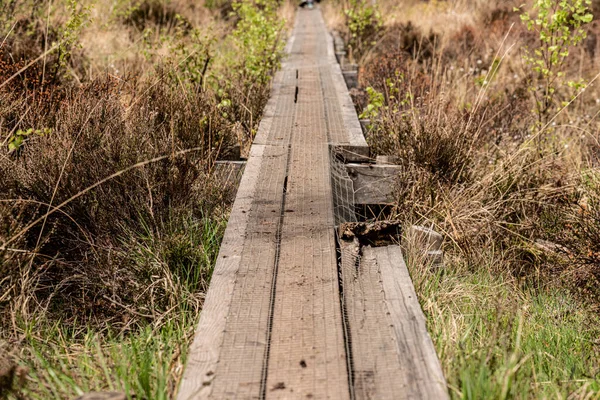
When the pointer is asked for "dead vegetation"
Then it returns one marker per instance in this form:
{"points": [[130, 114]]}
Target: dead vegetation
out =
{"points": [[455, 107], [112, 116], [512, 186]]}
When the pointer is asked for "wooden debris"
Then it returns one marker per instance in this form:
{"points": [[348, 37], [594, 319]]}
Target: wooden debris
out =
{"points": [[429, 243], [379, 233]]}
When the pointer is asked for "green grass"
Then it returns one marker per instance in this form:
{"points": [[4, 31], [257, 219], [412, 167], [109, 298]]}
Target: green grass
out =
{"points": [[64, 360], [64, 364], [500, 339]]}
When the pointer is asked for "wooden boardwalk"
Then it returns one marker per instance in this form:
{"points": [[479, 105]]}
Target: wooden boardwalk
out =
{"points": [[285, 316]]}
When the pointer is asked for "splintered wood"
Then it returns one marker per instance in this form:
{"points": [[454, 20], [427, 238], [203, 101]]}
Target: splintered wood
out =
{"points": [[277, 322]]}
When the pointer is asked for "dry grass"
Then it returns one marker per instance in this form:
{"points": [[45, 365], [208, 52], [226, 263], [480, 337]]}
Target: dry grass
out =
{"points": [[517, 204], [458, 113], [110, 214]]}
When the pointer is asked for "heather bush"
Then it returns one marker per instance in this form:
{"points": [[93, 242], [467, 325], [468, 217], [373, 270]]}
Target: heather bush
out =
{"points": [[111, 214]]}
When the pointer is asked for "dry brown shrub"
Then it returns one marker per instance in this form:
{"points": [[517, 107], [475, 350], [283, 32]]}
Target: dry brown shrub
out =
{"points": [[148, 13], [409, 39], [472, 170], [80, 265], [574, 225], [395, 66]]}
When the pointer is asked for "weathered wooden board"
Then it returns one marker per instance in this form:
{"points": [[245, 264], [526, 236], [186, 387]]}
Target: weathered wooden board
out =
{"points": [[373, 183], [307, 358], [376, 373], [206, 348], [392, 354], [420, 366], [228, 353]]}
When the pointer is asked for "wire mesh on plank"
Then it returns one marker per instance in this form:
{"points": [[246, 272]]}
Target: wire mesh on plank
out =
{"points": [[343, 190]]}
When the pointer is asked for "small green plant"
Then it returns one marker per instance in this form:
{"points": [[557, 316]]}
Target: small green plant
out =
{"points": [[390, 100], [190, 55], [560, 26], [258, 37], [376, 102], [20, 136], [79, 17], [364, 22]]}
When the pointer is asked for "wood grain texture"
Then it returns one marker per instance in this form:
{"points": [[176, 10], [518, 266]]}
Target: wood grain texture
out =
{"points": [[392, 354], [415, 348], [373, 183], [307, 355], [205, 350]]}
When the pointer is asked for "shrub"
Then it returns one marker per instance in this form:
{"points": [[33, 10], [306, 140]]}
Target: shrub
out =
{"points": [[81, 249], [258, 37], [560, 26], [145, 14], [258, 42], [364, 24]]}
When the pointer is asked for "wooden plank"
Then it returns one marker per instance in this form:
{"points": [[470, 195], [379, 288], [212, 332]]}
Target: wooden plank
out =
{"points": [[415, 348], [341, 105], [373, 183], [377, 373], [392, 354], [307, 356], [241, 367], [205, 350], [239, 373], [227, 355]]}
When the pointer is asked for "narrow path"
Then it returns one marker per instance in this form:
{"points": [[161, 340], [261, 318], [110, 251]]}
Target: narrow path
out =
{"points": [[274, 324], [307, 353]]}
